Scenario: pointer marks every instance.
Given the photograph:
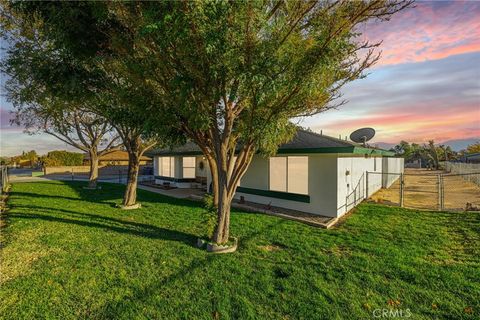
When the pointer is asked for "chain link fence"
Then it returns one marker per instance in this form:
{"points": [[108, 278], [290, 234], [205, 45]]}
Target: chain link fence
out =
{"points": [[118, 176], [468, 171], [427, 190]]}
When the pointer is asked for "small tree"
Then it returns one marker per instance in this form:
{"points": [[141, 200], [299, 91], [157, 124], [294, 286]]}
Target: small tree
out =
{"points": [[62, 158], [81, 129], [473, 148]]}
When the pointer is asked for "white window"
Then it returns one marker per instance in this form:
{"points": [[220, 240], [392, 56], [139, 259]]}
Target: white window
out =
{"points": [[289, 174], [188, 167], [167, 166]]}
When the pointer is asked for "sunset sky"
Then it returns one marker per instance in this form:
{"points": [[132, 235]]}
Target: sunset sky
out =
{"points": [[426, 85]]}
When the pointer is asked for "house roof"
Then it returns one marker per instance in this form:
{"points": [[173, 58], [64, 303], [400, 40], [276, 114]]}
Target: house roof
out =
{"points": [[117, 155], [303, 142], [472, 155]]}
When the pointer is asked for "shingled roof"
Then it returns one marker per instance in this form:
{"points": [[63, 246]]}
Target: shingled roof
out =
{"points": [[303, 142]]}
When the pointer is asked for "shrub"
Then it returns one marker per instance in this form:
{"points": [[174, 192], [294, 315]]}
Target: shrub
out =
{"points": [[63, 158]]}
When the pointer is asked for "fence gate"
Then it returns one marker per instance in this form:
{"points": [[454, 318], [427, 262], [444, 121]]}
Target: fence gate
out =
{"points": [[422, 191], [426, 190]]}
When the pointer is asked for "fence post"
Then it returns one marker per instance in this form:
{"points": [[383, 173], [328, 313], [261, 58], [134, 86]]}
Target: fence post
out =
{"points": [[439, 193], [402, 183], [72, 174], [366, 186], [442, 193]]}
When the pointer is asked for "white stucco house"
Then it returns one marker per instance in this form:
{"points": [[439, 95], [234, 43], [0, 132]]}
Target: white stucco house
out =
{"points": [[313, 173]]}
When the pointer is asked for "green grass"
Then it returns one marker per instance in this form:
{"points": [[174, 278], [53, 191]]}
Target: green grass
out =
{"points": [[68, 253]]}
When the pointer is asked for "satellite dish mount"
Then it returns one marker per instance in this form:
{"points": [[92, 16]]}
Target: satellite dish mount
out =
{"points": [[362, 135]]}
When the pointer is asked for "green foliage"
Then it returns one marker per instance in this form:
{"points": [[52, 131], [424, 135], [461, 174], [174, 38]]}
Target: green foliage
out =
{"points": [[430, 154], [229, 75], [4, 160], [473, 148], [209, 216], [63, 158]]}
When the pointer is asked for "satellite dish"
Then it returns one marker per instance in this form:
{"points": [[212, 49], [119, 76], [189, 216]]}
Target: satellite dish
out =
{"points": [[362, 135]]}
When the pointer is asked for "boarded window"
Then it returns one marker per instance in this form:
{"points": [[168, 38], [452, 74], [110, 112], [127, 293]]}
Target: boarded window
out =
{"points": [[278, 174], [289, 174], [297, 175], [188, 167], [167, 166]]}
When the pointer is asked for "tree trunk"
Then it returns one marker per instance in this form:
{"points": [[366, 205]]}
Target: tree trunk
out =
{"points": [[222, 230], [93, 177], [130, 196], [225, 180]]}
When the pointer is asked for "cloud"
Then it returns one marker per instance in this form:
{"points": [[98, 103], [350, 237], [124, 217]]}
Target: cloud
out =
{"points": [[430, 31], [438, 100]]}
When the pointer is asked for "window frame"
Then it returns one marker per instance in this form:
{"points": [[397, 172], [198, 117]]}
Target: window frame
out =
{"points": [[189, 167], [287, 174], [171, 160]]}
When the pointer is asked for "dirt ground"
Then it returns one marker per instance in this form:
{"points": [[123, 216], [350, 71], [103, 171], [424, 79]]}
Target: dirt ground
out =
{"points": [[421, 191]]}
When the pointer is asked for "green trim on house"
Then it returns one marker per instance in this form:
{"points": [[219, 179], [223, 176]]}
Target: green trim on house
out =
{"points": [[332, 150], [175, 179], [364, 150], [276, 194], [317, 150], [352, 149]]}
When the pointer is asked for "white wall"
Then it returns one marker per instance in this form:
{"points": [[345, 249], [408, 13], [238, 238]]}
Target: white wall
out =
{"points": [[352, 189], [199, 172], [392, 168], [321, 185], [351, 177], [336, 182]]}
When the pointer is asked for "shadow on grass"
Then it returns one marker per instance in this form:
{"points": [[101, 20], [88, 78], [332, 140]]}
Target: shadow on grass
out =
{"points": [[203, 262], [110, 194], [107, 223]]}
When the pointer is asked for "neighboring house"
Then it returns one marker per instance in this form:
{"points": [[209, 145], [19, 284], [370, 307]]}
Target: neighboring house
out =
{"points": [[23, 163], [416, 164], [313, 173], [115, 158], [472, 158]]}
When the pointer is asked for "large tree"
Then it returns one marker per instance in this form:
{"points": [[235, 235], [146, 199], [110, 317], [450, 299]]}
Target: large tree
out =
{"points": [[78, 69], [36, 70], [235, 73], [230, 75]]}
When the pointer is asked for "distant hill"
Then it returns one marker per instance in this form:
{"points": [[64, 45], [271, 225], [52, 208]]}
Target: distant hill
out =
{"points": [[456, 145], [460, 144], [384, 145]]}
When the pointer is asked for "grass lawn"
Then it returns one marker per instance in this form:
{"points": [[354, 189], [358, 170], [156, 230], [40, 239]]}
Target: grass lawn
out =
{"points": [[68, 253]]}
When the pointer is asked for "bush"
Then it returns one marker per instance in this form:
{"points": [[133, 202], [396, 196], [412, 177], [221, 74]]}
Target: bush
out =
{"points": [[63, 158]]}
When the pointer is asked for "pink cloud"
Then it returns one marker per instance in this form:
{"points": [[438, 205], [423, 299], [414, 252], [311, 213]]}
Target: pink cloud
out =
{"points": [[432, 30], [417, 123]]}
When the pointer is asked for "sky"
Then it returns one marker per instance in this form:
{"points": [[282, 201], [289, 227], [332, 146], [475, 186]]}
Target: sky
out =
{"points": [[425, 86]]}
